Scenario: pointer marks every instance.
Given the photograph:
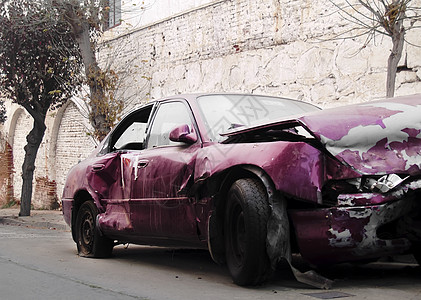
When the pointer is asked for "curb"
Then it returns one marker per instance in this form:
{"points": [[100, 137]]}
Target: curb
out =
{"points": [[39, 219], [11, 221]]}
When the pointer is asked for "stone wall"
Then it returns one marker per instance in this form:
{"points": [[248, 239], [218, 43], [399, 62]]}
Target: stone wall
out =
{"points": [[269, 47], [277, 47]]}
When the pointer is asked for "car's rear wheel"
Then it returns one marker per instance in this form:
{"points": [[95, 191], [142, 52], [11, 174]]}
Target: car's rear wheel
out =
{"points": [[246, 218], [88, 239], [417, 254]]}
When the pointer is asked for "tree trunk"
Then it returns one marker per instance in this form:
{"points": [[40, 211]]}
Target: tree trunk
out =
{"points": [[80, 29], [398, 39], [92, 70], [34, 139]]}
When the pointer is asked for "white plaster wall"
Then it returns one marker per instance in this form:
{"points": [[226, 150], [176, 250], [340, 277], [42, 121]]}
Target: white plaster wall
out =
{"points": [[137, 13], [270, 47]]}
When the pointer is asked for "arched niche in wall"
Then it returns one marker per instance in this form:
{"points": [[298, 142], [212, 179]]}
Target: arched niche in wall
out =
{"points": [[70, 142], [12, 128], [20, 126]]}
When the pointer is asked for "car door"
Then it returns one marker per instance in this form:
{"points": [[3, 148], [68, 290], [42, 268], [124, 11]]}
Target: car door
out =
{"points": [[159, 203], [113, 170]]}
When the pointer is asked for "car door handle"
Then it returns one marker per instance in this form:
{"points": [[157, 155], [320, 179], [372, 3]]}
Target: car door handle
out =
{"points": [[142, 163], [138, 165], [98, 167]]}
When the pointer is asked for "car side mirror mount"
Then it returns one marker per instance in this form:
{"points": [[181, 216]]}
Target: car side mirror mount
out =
{"points": [[183, 134]]}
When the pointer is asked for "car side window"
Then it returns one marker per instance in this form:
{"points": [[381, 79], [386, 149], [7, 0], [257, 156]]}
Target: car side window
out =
{"points": [[169, 115], [132, 137], [130, 133]]}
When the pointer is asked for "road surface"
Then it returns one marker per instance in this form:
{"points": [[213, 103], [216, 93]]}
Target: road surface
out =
{"points": [[43, 264]]}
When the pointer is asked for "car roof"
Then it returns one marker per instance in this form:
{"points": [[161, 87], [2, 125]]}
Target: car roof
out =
{"points": [[192, 96]]}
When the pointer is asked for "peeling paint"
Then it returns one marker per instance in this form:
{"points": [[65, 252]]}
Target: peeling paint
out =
{"points": [[341, 239], [411, 161], [371, 136], [349, 233], [172, 195]]}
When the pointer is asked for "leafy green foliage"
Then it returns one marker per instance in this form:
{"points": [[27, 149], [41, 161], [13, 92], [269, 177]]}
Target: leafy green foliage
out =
{"points": [[107, 104], [39, 60]]}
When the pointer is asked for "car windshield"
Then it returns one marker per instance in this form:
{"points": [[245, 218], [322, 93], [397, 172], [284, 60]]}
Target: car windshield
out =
{"points": [[224, 112]]}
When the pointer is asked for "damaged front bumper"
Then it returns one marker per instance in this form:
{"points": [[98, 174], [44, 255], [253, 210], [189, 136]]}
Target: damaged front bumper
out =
{"points": [[371, 226]]}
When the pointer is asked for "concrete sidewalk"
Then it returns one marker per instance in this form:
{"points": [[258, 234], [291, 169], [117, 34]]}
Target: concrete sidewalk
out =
{"points": [[45, 219]]}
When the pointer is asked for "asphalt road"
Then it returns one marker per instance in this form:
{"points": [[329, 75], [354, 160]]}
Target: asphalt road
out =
{"points": [[43, 264]]}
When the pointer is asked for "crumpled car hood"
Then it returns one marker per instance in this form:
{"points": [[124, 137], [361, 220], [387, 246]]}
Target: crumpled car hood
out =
{"points": [[376, 137]]}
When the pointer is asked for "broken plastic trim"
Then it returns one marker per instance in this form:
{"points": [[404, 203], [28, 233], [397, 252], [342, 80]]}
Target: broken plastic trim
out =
{"points": [[381, 185], [385, 183]]}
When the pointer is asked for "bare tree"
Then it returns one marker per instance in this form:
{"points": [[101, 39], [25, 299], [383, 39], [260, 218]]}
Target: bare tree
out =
{"points": [[392, 18]]}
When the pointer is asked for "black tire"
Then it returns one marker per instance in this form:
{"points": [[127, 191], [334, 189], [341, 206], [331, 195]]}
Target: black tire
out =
{"points": [[246, 217], [89, 241]]}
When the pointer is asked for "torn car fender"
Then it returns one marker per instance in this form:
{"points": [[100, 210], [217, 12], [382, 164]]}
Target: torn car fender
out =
{"points": [[278, 244]]}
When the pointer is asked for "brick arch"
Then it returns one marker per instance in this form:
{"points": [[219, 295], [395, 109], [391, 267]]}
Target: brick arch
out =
{"points": [[6, 171], [20, 126], [70, 142]]}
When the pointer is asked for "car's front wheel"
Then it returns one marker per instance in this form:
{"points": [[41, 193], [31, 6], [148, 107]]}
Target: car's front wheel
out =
{"points": [[246, 218], [416, 251], [89, 241]]}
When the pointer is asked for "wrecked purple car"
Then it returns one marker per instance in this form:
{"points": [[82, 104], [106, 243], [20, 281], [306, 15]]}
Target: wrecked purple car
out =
{"points": [[254, 179]]}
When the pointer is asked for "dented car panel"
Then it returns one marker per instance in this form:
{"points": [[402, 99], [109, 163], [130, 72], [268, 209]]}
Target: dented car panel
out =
{"points": [[369, 137], [300, 163], [342, 184], [373, 137], [344, 234]]}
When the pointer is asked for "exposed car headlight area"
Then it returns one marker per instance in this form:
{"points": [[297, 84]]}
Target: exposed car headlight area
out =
{"points": [[369, 190], [385, 183]]}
